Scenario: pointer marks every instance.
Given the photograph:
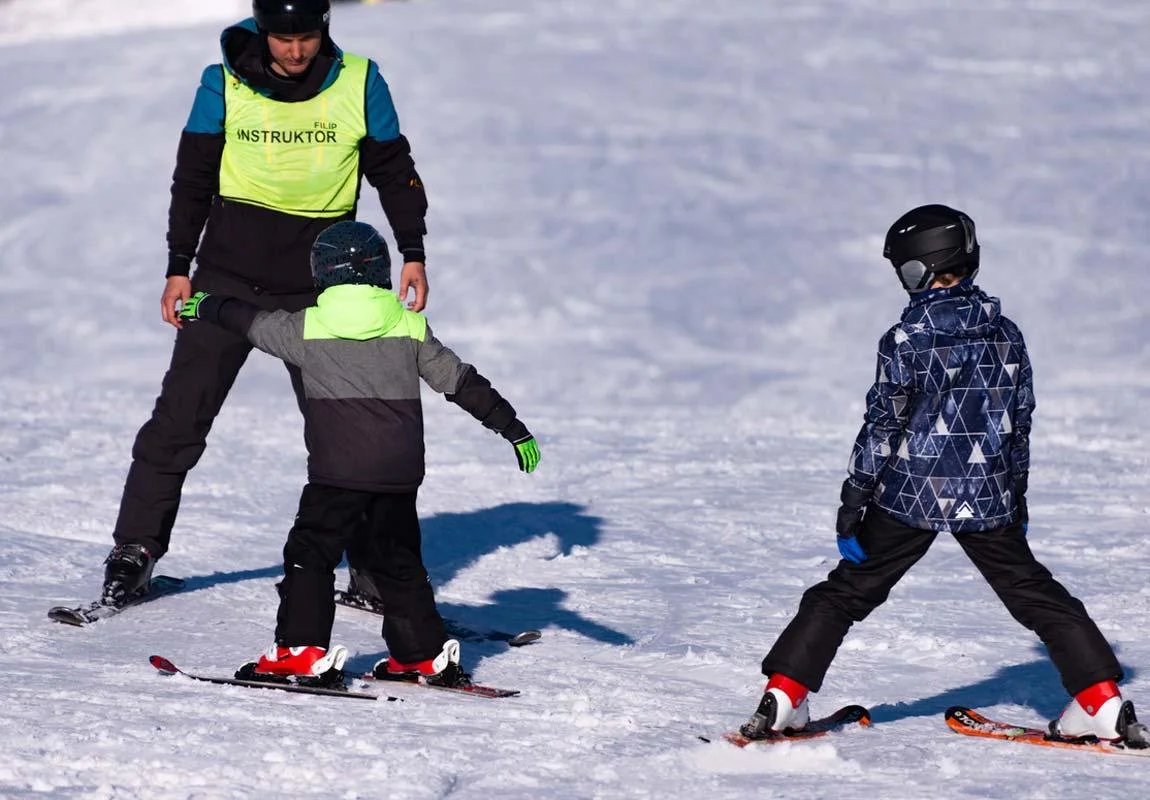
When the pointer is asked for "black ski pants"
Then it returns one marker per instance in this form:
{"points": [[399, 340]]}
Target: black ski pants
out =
{"points": [[205, 362], [388, 527], [809, 643]]}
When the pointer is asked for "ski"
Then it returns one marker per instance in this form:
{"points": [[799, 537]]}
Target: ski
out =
{"points": [[843, 717], [456, 630], [969, 722], [159, 586], [165, 667], [473, 689]]}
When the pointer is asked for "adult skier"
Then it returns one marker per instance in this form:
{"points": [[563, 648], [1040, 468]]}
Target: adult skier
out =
{"points": [[278, 137]]}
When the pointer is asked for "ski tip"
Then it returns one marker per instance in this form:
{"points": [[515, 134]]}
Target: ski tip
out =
{"points": [[525, 637], [67, 616], [858, 714], [163, 665]]}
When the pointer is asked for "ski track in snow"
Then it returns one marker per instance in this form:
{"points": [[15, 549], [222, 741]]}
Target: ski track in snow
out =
{"points": [[657, 228]]}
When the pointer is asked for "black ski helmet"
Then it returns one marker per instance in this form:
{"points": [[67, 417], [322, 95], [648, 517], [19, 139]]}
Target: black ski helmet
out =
{"points": [[291, 16], [350, 252], [930, 240]]}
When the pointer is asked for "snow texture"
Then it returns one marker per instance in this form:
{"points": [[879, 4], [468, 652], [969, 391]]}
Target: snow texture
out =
{"points": [[657, 228]]}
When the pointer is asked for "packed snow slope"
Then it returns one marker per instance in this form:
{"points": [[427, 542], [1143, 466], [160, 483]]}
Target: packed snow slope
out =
{"points": [[657, 228]]}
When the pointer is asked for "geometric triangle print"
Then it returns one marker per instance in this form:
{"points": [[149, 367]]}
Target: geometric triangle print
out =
{"points": [[976, 456]]}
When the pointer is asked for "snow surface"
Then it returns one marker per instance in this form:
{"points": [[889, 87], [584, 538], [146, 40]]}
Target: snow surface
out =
{"points": [[657, 228]]}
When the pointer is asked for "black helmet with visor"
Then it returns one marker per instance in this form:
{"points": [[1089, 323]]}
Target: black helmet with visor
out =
{"points": [[928, 241]]}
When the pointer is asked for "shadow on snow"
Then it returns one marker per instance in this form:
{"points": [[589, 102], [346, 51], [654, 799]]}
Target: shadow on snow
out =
{"points": [[1034, 684], [452, 542]]}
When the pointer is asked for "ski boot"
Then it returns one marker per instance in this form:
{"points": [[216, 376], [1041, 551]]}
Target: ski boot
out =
{"points": [[443, 670], [783, 708], [1099, 712], [362, 592], [127, 573], [304, 665]]}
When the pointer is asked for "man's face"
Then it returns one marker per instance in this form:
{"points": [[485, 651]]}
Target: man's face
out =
{"points": [[292, 53]]}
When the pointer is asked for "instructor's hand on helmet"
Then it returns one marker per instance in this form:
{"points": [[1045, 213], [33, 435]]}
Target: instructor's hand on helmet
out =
{"points": [[849, 520], [190, 311]]}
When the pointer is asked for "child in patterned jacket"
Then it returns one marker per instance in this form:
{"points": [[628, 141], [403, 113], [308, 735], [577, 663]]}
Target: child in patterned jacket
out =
{"points": [[944, 448]]}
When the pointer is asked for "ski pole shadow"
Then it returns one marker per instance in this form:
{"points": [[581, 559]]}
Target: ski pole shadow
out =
{"points": [[1034, 684]]}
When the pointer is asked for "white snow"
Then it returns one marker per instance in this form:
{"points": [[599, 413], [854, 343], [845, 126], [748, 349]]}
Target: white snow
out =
{"points": [[657, 228]]}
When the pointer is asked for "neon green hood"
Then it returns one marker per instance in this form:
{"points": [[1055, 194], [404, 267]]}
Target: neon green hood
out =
{"points": [[353, 312]]}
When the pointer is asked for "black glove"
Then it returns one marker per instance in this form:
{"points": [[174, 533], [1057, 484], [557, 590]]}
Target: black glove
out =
{"points": [[850, 517]]}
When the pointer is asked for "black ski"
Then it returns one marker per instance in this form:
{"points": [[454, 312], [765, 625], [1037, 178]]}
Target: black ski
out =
{"points": [[159, 586], [454, 629], [166, 667], [839, 719], [473, 689]]}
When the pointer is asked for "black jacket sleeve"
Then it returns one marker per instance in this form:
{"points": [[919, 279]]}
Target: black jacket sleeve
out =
{"points": [[230, 313], [478, 398], [195, 182], [389, 167]]}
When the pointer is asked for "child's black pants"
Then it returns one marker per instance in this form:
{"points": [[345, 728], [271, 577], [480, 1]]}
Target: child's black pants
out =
{"points": [[807, 646], [386, 529]]}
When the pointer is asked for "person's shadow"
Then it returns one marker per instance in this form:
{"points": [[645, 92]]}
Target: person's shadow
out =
{"points": [[452, 542], [1035, 684]]}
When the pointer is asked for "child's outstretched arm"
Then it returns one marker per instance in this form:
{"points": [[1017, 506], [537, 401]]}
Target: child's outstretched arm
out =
{"points": [[274, 332], [462, 384]]}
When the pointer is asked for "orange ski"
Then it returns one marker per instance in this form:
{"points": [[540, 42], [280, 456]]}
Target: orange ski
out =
{"points": [[970, 723]]}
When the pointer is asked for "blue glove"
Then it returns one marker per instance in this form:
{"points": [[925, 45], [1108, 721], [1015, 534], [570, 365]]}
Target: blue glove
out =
{"points": [[848, 521], [851, 550], [190, 310]]}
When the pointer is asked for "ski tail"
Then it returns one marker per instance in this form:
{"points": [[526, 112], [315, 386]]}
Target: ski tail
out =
{"points": [[838, 720]]}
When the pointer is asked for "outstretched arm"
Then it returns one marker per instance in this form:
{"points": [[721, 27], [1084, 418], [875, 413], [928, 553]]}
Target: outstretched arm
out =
{"points": [[463, 385], [277, 333]]}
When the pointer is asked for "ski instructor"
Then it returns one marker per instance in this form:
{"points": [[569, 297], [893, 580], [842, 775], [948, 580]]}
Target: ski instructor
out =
{"points": [[277, 139]]}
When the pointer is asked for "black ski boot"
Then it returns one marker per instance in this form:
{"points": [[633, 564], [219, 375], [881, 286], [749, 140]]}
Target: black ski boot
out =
{"points": [[127, 573], [362, 591], [1134, 734]]}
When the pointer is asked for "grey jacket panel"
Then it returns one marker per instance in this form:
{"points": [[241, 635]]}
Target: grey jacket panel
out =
{"points": [[363, 419], [438, 365]]}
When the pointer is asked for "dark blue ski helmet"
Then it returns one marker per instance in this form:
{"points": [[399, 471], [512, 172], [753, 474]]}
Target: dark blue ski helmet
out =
{"points": [[350, 253]]}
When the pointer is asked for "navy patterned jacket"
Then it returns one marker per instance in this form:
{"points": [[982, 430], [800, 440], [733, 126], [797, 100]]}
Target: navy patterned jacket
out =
{"points": [[947, 433]]}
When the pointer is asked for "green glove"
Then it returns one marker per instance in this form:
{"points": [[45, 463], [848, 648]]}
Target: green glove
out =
{"points": [[190, 310], [527, 453]]}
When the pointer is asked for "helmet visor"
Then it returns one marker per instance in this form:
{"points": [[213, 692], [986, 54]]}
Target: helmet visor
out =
{"points": [[914, 275]]}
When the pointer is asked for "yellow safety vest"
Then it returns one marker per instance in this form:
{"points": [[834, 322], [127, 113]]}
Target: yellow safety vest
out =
{"points": [[298, 158]]}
